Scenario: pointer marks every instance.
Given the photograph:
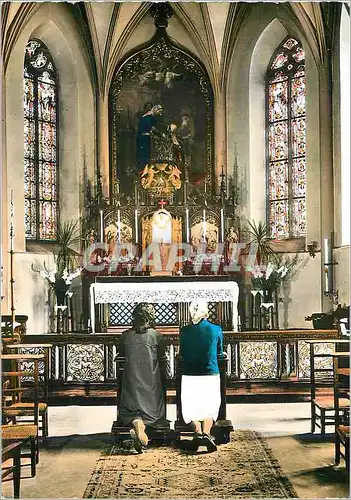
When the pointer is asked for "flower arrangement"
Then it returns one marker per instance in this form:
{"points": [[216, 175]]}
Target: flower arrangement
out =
{"points": [[279, 269], [59, 282]]}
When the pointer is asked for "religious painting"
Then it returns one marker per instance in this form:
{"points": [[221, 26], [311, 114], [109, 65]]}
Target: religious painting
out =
{"points": [[161, 108]]}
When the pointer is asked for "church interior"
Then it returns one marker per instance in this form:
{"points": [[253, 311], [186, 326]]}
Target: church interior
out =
{"points": [[166, 152]]}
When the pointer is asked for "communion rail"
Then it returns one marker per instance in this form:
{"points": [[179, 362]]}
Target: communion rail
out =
{"points": [[252, 356]]}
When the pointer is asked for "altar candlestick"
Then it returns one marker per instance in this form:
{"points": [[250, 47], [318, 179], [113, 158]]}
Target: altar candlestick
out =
{"points": [[187, 225], [136, 226], [222, 225], [101, 226], [204, 226], [118, 226]]}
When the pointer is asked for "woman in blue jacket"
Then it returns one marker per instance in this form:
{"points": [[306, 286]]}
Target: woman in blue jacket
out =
{"points": [[200, 345]]}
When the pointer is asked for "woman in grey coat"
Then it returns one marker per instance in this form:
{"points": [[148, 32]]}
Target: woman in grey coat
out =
{"points": [[142, 399]]}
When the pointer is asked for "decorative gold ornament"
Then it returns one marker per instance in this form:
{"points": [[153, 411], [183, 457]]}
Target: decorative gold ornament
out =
{"points": [[161, 179]]}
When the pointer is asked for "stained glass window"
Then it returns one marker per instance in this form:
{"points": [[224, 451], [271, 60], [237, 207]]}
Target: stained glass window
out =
{"points": [[286, 141], [40, 143]]}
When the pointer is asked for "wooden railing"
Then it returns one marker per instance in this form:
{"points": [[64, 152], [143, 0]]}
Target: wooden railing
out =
{"points": [[253, 356]]}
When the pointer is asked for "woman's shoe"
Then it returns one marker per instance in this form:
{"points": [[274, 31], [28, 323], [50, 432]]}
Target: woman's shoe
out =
{"points": [[139, 428], [209, 443]]}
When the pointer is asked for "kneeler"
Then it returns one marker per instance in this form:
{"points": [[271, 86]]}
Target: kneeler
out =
{"points": [[222, 428], [161, 434]]}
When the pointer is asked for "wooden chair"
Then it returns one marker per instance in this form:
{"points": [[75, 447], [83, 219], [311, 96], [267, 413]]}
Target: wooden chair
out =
{"points": [[23, 408], [12, 431], [322, 395], [342, 414], [12, 451]]}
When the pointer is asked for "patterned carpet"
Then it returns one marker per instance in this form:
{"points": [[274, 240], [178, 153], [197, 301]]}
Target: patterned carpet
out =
{"points": [[243, 468]]}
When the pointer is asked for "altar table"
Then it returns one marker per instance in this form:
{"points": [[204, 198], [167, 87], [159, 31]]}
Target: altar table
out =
{"points": [[168, 292]]}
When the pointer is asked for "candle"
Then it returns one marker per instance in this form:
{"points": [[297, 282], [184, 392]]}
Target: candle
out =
{"points": [[12, 214], [187, 225], [136, 226], [204, 227], [222, 225], [101, 226], [326, 262], [118, 226], [326, 251]]}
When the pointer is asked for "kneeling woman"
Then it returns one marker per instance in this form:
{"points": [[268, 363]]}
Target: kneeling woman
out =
{"points": [[142, 399], [200, 345]]}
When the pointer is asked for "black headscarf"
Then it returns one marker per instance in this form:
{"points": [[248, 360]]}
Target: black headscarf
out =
{"points": [[143, 317]]}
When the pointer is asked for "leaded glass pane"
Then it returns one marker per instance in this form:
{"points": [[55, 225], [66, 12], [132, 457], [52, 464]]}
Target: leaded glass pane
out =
{"points": [[47, 141], [299, 177], [29, 178], [278, 99], [47, 181], [47, 214], [30, 218], [286, 131], [279, 60], [29, 138], [46, 102], [279, 218], [298, 96], [299, 217], [28, 98], [299, 137], [40, 175], [299, 54], [278, 180], [278, 141]]}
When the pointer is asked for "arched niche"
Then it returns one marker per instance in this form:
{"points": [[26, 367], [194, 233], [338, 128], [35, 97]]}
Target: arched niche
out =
{"points": [[160, 73]]}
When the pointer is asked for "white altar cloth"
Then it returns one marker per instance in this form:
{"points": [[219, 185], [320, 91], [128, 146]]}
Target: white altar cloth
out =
{"points": [[166, 293]]}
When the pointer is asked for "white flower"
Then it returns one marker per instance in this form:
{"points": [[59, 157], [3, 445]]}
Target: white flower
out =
{"points": [[269, 270], [282, 271], [257, 272]]}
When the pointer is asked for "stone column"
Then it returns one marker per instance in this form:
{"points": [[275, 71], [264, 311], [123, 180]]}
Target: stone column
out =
{"points": [[220, 134], [326, 166], [103, 143]]}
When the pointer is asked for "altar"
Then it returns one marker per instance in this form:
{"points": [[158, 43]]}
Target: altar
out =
{"points": [[173, 293]]}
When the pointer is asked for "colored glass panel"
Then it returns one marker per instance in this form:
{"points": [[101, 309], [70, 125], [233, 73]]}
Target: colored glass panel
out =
{"points": [[47, 181], [298, 137], [290, 43], [279, 180], [30, 218], [29, 178], [47, 141], [47, 214], [299, 177], [40, 130], [279, 219], [299, 55], [278, 141], [279, 60], [28, 98], [298, 96], [29, 138], [278, 99], [46, 102], [286, 130], [299, 217]]}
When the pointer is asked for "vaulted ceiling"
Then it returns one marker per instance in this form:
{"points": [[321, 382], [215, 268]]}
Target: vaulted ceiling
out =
{"points": [[209, 28]]}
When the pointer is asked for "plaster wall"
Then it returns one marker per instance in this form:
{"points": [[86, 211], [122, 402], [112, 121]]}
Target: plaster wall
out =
{"points": [[76, 135]]}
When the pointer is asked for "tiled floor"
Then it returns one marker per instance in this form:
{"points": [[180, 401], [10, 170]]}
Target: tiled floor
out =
{"points": [[79, 433]]}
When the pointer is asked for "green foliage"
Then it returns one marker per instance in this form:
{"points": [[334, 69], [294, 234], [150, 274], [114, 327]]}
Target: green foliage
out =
{"points": [[66, 258], [259, 242]]}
